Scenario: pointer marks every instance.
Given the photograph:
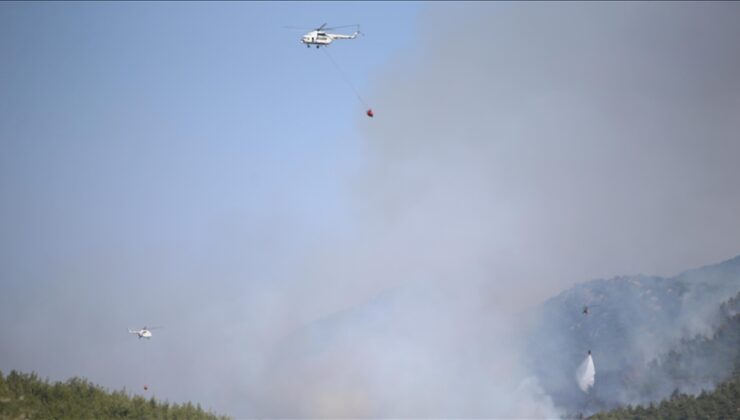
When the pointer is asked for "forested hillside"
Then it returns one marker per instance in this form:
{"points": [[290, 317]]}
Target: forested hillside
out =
{"points": [[694, 361], [650, 336], [26, 396], [722, 403]]}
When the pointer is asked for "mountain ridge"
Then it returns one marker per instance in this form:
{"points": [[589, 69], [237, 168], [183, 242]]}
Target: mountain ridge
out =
{"points": [[632, 321]]}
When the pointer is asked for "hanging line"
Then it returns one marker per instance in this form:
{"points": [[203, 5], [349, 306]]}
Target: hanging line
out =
{"points": [[346, 79]]}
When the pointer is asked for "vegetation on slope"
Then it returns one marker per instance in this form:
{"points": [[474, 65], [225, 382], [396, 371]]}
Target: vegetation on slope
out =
{"points": [[722, 403], [26, 396], [693, 363]]}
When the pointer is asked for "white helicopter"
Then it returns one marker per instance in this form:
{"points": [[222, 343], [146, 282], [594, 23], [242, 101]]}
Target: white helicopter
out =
{"points": [[144, 332], [319, 36]]}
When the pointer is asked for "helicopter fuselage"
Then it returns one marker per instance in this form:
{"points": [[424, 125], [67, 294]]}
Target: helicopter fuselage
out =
{"points": [[319, 38], [316, 38], [143, 333]]}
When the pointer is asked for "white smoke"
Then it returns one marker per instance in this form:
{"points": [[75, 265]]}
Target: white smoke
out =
{"points": [[504, 168]]}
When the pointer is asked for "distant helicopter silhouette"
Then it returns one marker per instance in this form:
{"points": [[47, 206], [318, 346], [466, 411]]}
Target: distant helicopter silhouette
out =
{"points": [[144, 332]]}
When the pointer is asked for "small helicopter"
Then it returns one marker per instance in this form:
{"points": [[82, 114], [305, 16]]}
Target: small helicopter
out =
{"points": [[319, 36], [144, 332], [587, 309]]}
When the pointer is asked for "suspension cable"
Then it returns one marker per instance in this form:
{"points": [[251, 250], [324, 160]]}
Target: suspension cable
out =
{"points": [[346, 79]]}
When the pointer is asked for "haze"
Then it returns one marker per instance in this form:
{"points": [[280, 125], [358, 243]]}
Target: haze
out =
{"points": [[191, 165]]}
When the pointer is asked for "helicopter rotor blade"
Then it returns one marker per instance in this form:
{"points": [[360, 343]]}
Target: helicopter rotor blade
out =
{"points": [[343, 26], [297, 28]]}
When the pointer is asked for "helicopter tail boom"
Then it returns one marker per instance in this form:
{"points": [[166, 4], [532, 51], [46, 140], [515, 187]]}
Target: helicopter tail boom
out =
{"points": [[342, 36]]}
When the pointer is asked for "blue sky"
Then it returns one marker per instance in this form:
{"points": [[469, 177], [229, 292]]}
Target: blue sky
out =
{"points": [[145, 121]]}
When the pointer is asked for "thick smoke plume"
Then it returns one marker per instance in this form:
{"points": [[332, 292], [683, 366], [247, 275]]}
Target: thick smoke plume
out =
{"points": [[525, 147]]}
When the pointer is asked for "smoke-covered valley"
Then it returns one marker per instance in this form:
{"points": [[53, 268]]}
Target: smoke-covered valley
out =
{"points": [[436, 352]]}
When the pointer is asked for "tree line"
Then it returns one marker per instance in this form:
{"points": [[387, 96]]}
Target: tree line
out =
{"points": [[26, 396], [721, 403]]}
